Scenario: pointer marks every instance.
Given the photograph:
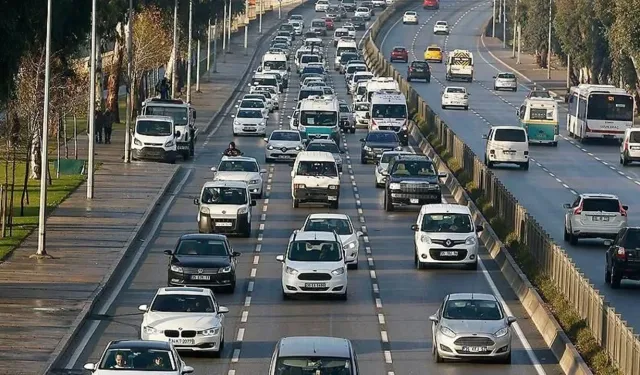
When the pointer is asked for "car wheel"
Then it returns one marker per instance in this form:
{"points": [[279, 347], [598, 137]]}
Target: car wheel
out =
{"points": [[353, 266], [607, 275], [443, 106], [344, 296], [495, 88], [416, 261], [231, 288], [525, 166], [506, 360], [388, 206], [473, 266], [334, 205], [408, 79], [428, 80], [285, 296], [616, 278], [296, 203], [436, 355], [352, 131], [246, 233], [573, 239], [268, 160], [466, 107], [566, 236], [625, 161], [363, 161]]}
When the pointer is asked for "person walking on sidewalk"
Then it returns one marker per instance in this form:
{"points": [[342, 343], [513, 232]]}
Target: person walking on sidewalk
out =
{"points": [[98, 126], [162, 88], [108, 127]]}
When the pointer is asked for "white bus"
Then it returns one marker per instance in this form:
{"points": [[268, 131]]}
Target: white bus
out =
{"points": [[388, 111], [599, 111]]}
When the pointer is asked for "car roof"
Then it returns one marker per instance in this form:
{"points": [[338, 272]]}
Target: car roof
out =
{"points": [[441, 21], [472, 296], [445, 208], [598, 195], [394, 152], [226, 183], [327, 216], [319, 140], [507, 127], [154, 118], [238, 158], [381, 131], [399, 47], [183, 290], [284, 131], [455, 87], [300, 346], [414, 157], [315, 235], [315, 156], [139, 344]]}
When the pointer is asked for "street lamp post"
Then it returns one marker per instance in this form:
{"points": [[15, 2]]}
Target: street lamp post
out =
{"points": [[260, 22], [174, 83], [127, 127], [493, 20], [549, 44], [246, 27], [189, 52], [92, 103], [215, 46], [209, 46]]}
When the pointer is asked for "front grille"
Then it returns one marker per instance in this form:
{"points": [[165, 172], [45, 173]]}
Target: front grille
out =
{"points": [[152, 152], [318, 191], [171, 333], [422, 187], [437, 254], [380, 150], [196, 271], [314, 276], [452, 242], [305, 289], [188, 334], [474, 341]]}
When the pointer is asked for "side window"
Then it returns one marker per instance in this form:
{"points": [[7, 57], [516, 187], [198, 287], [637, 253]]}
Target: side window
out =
{"points": [[620, 237], [523, 111], [576, 203], [490, 136], [582, 109]]}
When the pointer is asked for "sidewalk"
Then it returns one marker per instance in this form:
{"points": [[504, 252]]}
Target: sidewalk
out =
{"points": [[42, 301]]}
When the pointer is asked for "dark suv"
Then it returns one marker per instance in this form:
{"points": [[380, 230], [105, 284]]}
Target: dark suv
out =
{"points": [[419, 70], [412, 180], [623, 257]]}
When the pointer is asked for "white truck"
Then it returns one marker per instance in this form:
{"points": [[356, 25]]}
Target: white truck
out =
{"points": [[184, 117], [154, 138], [459, 65]]}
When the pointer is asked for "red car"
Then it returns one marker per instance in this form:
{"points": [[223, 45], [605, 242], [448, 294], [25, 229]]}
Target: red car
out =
{"points": [[328, 22], [431, 4], [399, 54]]}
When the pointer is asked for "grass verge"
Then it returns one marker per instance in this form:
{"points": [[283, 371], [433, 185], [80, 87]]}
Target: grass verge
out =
{"points": [[23, 225], [574, 326]]}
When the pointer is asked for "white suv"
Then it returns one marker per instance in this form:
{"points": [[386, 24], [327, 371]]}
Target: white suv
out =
{"points": [[321, 5], [241, 168], [445, 234], [225, 207], [315, 179], [314, 264], [594, 216], [340, 224]]}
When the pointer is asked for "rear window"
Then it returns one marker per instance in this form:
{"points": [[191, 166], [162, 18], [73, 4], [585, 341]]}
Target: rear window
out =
{"points": [[507, 75], [420, 64], [437, 49], [399, 49], [600, 205], [634, 137], [510, 135], [632, 239]]}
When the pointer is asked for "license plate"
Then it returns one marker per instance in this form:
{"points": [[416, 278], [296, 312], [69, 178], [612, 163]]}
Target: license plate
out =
{"points": [[200, 277], [509, 152], [414, 201], [419, 70], [183, 147], [449, 253], [315, 285], [332, 198], [600, 218], [248, 129], [182, 341], [474, 349], [224, 224], [283, 157], [608, 136]]}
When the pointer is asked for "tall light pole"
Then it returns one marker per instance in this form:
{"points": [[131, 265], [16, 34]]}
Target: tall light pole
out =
{"points": [[279, 9], [190, 52], [175, 51], [229, 26], [44, 157], [224, 34], [568, 72], [504, 23], [209, 46], [549, 44], [260, 22], [127, 126], [92, 103], [493, 20], [215, 46], [515, 29], [246, 27]]}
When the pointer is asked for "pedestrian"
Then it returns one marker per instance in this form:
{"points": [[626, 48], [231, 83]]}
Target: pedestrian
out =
{"points": [[162, 88], [108, 127], [98, 125]]}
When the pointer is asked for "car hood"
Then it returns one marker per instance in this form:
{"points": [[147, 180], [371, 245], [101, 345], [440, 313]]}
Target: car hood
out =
{"points": [[382, 145], [223, 209], [237, 176], [173, 320], [287, 144], [447, 236], [132, 372], [326, 267], [245, 120], [417, 179], [199, 261], [487, 327]]}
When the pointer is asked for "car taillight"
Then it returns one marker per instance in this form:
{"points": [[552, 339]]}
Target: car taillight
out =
{"points": [[623, 212], [621, 253], [578, 210], [466, 96]]}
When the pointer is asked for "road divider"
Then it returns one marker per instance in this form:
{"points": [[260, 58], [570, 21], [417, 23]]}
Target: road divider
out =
{"points": [[518, 228]]}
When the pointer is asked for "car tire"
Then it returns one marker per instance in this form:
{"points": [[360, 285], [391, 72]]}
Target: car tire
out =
{"points": [[573, 239], [495, 88], [363, 161], [443, 106], [268, 160], [352, 266], [515, 90], [506, 360], [466, 107], [616, 278], [352, 131], [625, 161], [428, 80], [567, 235], [246, 233], [388, 206], [607, 274], [416, 261], [525, 166], [285, 296], [436, 355], [296, 203], [408, 79], [334, 205], [231, 288]]}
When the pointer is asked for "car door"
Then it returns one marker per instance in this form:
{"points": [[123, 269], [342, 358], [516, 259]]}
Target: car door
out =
{"points": [[232, 260], [489, 142], [569, 213]]}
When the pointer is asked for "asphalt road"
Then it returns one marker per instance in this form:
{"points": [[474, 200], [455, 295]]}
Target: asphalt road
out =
{"points": [[556, 174], [386, 315]]}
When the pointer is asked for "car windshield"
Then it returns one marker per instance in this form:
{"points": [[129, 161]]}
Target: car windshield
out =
{"points": [[304, 94], [357, 19], [600, 205], [285, 136], [389, 110], [341, 33], [362, 77], [182, 303], [179, 115], [249, 114], [446, 223], [323, 146], [318, 118], [345, 108], [238, 166], [434, 49], [313, 365], [286, 27], [264, 92], [510, 135], [634, 137], [399, 49], [275, 65], [382, 138], [413, 168], [472, 309], [296, 17], [305, 59], [610, 107], [387, 156], [419, 64], [441, 23], [313, 69], [255, 96], [361, 107], [356, 68], [507, 75], [153, 128], [252, 104], [455, 90], [315, 251], [539, 94], [317, 168], [271, 81], [224, 195], [340, 226], [138, 359], [319, 24], [410, 13], [202, 247], [348, 56]]}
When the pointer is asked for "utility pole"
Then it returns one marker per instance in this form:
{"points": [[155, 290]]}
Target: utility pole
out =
{"points": [[224, 34], [198, 68], [519, 27], [189, 52], [215, 46], [549, 44], [246, 27], [279, 9], [568, 72], [127, 126], [260, 22], [174, 73], [209, 46], [493, 20], [504, 23], [92, 103], [229, 27], [44, 156]]}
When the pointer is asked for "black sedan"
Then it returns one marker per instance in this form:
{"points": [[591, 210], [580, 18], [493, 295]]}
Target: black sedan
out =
{"points": [[359, 23], [203, 260], [377, 142]]}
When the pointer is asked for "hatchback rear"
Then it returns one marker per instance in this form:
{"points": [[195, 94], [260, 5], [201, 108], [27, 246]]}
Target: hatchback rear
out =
{"points": [[594, 216], [630, 147], [399, 54], [505, 81]]}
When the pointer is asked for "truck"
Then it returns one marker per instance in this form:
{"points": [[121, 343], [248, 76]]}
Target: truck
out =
{"points": [[183, 116], [459, 65]]}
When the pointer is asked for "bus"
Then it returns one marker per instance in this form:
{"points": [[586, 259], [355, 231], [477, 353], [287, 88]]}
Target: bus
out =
{"points": [[599, 112], [319, 118], [539, 116], [388, 111]]}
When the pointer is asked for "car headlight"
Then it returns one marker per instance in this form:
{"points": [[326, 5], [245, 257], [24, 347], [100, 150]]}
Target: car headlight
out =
{"points": [[404, 127], [150, 330], [394, 186], [298, 148], [350, 245], [262, 123], [447, 332], [399, 148], [137, 142], [226, 269], [175, 268], [425, 239], [204, 210], [253, 182], [269, 147], [338, 271], [210, 332], [367, 148], [236, 123], [243, 210], [471, 240], [291, 271], [502, 332], [170, 143]]}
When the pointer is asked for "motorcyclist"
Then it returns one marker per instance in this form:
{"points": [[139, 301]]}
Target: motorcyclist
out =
{"points": [[232, 150]]}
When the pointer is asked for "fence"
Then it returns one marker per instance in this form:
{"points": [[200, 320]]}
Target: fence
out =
{"points": [[607, 326]]}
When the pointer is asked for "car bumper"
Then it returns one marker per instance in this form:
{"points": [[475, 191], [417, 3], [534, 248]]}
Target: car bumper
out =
{"points": [[415, 199], [154, 153], [437, 254], [362, 122], [447, 347], [506, 86], [455, 103], [371, 155], [278, 154], [516, 159], [319, 195], [440, 31], [226, 224], [398, 57], [292, 285], [586, 231], [196, 344], [243, 129], [214, 281], [406, 20], [419, 75], [347, 123]]}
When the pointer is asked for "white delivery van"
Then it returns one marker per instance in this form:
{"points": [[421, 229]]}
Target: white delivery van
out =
{"points": [[345, 46], [315, 179], [377, 84], [630, 146], [276, 62], [507, 145], [155, 138]]}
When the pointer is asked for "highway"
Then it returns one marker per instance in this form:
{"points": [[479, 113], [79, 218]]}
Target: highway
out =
{"points": [[387, 313], [556, 174]]}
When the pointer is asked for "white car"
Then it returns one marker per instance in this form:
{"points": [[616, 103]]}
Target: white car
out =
{"points": [[594, 216], [294, 120], [630, 146], [254, 103], [454, 96], [322, 5], [361, 110], [378, 3], [241, 168], [441, 27], [350, 29], [340, 224], [445, 234], [297, 18], [187, 317], [314, 264], [283, 145], [410, 17], [363, 12], [125, 357], [275, 96], [382, 168], [249, 121], [224, 207], [315, 179], [358, 77], [297, 27], [507, 145], [260, 96]]}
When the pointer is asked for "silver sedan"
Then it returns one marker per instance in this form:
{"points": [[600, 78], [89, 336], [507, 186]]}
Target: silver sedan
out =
{"points": [[505, 81]]}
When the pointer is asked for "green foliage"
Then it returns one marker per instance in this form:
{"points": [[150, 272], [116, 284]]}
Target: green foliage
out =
{"points": [[535, 18]]}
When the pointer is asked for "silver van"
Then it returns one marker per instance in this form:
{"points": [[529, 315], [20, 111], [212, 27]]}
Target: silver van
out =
{"points": [[302, 354]]}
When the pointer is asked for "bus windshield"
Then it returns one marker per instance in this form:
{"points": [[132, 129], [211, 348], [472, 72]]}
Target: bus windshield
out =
{"points": [[610, 107], [318, 118], [389, 110]]}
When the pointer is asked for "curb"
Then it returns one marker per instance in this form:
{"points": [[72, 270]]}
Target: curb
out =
{"points": [[554, 336], [130, 244]]}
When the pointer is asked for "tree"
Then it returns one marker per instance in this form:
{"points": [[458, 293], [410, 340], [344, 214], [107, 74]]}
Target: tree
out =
{"points": [[535, 27]]}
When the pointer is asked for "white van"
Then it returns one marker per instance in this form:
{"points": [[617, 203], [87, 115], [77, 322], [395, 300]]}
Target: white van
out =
{"points": [[154, 138], [315, 179], [345, 46], [276, 62], [507, 145], [630, 146]]}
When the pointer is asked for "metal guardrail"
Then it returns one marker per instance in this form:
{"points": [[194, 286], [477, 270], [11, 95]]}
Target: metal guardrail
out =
{"points": [[607, 326]]}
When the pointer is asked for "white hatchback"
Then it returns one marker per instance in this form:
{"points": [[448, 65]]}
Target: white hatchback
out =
{"points": [[363, 12], [441, 27], [410, 17], [455, 97], [340, 224], [241, 168]]}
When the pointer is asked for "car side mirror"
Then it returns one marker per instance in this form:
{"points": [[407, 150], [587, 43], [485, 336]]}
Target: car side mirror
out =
{"points": [[518, 112], [484, 136], [263, 171], [289, 117], [359, 234], [415, 227], [236, 106], [259, 69], [214, 169], [90, 366], [362, 140], [194, 115], [235, 254], [233, 116], [168, 252], [143, 308], [608, 243], [511, 320], [626, 208], [494, 77], [196, 201], [479, 228], [177, 134], [253, 203], [434, 318], [566, 205], [223, 310], [248, 85], [280, 258], [187, 370], [292, 174], [442, 175]]}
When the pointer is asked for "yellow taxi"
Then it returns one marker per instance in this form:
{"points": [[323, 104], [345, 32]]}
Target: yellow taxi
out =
{"points": [[433, 53]]}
